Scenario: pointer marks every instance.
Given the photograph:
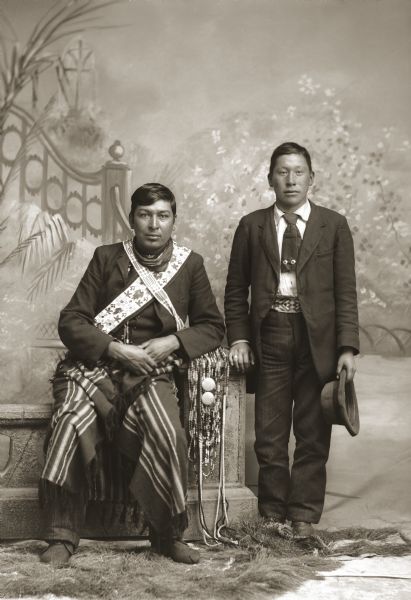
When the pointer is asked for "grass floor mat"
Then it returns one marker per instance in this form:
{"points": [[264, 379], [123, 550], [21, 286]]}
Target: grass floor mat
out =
{"points": [[263, 565], [254, 535], [102, 571]]}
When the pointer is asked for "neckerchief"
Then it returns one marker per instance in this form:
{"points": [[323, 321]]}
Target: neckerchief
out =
{"points": [[153, 262]]}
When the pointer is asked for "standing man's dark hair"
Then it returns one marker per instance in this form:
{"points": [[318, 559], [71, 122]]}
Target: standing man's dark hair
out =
{"points": [[300, 330], [289, 148]]}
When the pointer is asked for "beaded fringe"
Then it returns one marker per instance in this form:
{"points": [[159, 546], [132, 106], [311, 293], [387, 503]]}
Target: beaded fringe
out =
{"points": [[204, 421]]}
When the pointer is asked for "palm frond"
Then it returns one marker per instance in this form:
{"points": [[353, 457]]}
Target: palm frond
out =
{"points": [[14, 63], [73, 32], [54, 233], [51, 272], [46, 234], [45, 21], [169, 174], [64, 18], [4, 78], [6, 21], [3, 56], [22, 247]]}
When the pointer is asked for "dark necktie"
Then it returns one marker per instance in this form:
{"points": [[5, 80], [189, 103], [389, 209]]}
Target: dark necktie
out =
{"points": [[291, 244]]}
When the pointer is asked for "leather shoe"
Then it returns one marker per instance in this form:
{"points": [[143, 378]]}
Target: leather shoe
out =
{"points": [[175, 549], [302, 530], [57, 554], [181, 552], [278, 526]]}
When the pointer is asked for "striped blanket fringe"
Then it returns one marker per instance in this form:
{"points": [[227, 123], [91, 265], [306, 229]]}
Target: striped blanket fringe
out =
{"points": [[207, 388], [112, 499]]}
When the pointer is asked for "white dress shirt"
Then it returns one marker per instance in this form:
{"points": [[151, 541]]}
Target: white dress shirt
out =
{"points": [[288, 282]]}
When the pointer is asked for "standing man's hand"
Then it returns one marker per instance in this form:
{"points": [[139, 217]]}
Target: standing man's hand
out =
{"points": [[346, 361], [241, 356]]}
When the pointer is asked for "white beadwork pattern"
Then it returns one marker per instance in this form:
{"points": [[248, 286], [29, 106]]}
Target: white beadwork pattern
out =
{"points": [[137, 295]]}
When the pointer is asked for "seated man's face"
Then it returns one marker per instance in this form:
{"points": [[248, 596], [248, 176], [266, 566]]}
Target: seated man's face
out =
{"points": [[152, 226]]}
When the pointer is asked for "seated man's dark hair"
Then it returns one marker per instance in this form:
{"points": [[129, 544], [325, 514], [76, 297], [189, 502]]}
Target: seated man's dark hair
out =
{"points": [[289, 148], [149, 193]]}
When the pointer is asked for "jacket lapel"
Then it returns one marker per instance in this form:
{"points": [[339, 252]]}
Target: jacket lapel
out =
{"points": [[312, 235], [268, 238], [122, 263]]}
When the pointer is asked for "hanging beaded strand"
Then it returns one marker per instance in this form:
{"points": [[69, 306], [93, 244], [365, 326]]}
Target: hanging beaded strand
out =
{"points": [[205, 412], [208, 386]]}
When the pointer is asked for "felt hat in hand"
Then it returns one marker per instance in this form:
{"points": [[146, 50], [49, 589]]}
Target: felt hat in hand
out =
{"points": [[339, 403]]}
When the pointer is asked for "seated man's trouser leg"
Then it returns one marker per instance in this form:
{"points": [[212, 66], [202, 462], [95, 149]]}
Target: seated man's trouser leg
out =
{"points": [[289, 392], [152, 430], [63, 522]]}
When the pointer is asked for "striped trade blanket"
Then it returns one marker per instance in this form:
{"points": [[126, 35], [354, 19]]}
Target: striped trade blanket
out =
{"points": [[99, 430]]}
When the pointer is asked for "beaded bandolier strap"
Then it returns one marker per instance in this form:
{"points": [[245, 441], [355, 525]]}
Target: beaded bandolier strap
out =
{"points": [[151, 282], [142, 290]]}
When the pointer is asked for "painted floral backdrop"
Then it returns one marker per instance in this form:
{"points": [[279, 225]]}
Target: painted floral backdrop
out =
{"points": [[225, 177]]}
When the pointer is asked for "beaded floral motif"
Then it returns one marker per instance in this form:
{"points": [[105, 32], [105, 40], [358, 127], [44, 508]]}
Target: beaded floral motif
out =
{"points": [[152, 284], [137, 295]]}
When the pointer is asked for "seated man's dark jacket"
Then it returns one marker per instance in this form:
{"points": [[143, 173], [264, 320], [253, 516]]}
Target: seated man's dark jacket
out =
{"points": [[108, 275]]}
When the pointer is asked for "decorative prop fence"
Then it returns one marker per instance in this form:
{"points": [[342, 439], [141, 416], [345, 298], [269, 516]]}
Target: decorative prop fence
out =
{"points": [[91, 203]]}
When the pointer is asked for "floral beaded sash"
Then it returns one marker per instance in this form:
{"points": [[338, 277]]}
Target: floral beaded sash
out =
{"points": [[147, 286]]}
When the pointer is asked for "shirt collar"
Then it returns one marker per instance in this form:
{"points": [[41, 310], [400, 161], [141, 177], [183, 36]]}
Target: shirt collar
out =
{"points": [[303, 212]]}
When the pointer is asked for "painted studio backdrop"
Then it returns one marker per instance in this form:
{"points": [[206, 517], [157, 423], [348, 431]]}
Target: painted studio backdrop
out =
{"points": [[98, 98]]}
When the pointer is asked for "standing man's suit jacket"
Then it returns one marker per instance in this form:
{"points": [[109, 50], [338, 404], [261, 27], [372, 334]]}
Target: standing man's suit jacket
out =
{"points": [[107, 276], [325, 284]]}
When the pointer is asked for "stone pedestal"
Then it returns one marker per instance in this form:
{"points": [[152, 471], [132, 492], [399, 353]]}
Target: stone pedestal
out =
{"points": [[22, 431]]}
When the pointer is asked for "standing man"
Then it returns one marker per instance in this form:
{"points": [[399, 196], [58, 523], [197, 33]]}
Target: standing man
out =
{"points": [[300, 330]]}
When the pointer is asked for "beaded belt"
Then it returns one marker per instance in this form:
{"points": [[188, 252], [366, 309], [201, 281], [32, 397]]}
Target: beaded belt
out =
{"points": [[288, 304]]}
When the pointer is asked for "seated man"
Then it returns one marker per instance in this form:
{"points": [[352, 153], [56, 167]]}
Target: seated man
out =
{"points": [[116, 434]]}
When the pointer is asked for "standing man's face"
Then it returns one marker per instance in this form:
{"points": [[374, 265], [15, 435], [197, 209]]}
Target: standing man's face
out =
{"points": [[291, 179], [152, 226]]}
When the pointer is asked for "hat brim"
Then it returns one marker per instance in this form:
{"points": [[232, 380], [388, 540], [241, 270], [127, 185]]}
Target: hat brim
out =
{"points": [[339, 404]]}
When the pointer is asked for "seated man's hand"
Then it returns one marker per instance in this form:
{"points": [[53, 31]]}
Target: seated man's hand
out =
{"points": [[134, 358], [160, 349], [241, 356]]}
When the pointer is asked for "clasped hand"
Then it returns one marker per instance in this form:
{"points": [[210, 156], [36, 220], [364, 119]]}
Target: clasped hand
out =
{"points": [[144, 358]]}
